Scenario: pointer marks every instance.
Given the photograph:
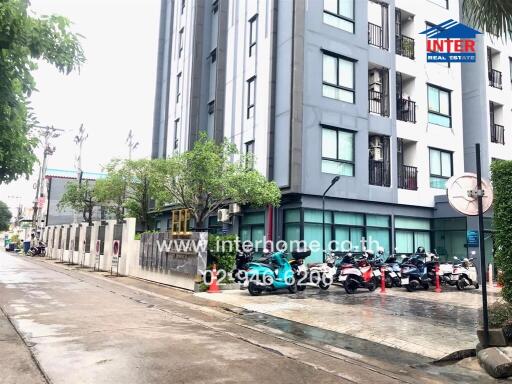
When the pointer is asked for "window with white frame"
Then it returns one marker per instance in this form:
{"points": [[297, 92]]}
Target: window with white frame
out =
{"points": [[251, 96], [178, 87], [180, 42], [176, 130], [338, 77], [339, 14], [253, 31], [441, 167], [439, 106], [337, 151]]}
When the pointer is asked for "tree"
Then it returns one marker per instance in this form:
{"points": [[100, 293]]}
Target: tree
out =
{"points": [[25, 39], [129, 184], [493, 16], [5, 216], [210, 176], [80, 198], [502, 184]]}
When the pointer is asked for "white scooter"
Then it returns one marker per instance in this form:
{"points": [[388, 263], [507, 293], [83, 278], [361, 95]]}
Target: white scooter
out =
{"points": [[318, 274], [465, 274]]}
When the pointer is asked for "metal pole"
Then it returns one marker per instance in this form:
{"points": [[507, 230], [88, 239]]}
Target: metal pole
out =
{"points": [[323, 225], [483, 266]]}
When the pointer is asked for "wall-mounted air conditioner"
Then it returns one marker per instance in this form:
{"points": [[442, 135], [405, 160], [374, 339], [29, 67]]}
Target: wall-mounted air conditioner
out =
{"points": [[223, 215], [234, 209]]}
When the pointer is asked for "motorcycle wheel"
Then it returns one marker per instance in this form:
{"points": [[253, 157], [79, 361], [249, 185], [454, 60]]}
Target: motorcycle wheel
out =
{"points": [[389, 282], [413, 285], [254, 289], [425, 286], [461, 284], [324, 285], [476, 285], [371, 285], [397, 283], [293, 288], [350, 286]]}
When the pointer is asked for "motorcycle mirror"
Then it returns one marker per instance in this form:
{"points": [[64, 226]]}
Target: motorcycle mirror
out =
{"points": [[455, 257]]}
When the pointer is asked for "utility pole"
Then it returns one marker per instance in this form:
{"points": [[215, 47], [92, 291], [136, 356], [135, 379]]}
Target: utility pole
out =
{"points": [[131, 144], [47, 133], [79, 140]]}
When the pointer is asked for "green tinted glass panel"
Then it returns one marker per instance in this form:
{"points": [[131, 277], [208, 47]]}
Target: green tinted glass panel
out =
{"points": [[377, 221], [412, 223], [378, 237], [450, 224], [253, 218], [356, 235], [422, 239], [291, 232], [292, 216], [342, 237], [313, 233], [315, 216], [450, 243], [348, 218], [404, 241], [438, 182], [245, 234], [258, 232]]}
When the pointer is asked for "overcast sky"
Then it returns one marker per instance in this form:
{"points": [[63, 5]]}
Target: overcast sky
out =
{"points": [[113, 92]]}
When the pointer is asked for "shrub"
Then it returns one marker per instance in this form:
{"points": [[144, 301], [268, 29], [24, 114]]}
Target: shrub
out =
{"points": [[223, 255], [500, 314], [502, 184]]}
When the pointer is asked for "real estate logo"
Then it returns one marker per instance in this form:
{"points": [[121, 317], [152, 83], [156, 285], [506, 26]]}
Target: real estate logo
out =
{"points": [[451, 42]]}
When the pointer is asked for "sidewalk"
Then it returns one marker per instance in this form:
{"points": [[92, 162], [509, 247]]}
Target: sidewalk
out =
{"points": [[426, 323]]}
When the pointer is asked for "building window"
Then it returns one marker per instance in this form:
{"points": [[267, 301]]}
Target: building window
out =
{"points": [[339, 14], [338, 77], [182, 6], [441, 168], [180, 222], [251, 96], [180, 42], [176, 126], [213, 55], [211, 107], [249, 152], [337, 151], [439, 106], [411, 233], [178, 87], [215, 6], [253, 31], [252, 228]]}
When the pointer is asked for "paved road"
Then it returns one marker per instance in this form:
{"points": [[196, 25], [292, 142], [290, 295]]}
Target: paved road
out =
{"points": [[81, 328]]}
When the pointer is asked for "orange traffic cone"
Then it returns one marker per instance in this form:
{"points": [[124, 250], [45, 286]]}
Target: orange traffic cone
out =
{"points": [[214, 287]]}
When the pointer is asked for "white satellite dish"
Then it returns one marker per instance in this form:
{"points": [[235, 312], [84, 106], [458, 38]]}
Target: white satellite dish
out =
{"points": [[462, 194]]}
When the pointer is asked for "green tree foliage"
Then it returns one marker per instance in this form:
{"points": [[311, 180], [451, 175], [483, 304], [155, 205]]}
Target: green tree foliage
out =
{"points": [[5, 216], [493, 16], [210, 176], [502, 184], [80, 198], [129, 184], [25, 39], [222, 249]]}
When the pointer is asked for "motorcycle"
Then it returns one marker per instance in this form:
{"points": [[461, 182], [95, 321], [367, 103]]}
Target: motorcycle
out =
{"points": [[319, 274], [464, 274], [243, 257], [39, 250], [359, 274], [418, 272], [392, 272], [276, 274]]}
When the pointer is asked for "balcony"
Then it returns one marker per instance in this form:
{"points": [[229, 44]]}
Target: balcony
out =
{"points": [[376, 36], [405, 46], [379, 173], [495, 78], [498, 134], [377, 103], [406, 110], [408, 177]]}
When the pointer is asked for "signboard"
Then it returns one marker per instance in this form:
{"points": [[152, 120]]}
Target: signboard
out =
{"points": [[115, 255], [97, 250], [473, 239]]}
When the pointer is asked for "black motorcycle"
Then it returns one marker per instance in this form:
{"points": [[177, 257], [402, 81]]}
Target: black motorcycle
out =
{"points": [[39, 250], [244, 256], [418, 273]]}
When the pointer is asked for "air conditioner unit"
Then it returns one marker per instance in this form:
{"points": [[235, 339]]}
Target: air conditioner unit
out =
{"points": [[234, 209], [222, 215], [374, 81], [376, 148]]}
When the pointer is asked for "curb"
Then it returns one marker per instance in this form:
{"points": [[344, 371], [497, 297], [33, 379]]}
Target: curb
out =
{"points": [[455, 356]]}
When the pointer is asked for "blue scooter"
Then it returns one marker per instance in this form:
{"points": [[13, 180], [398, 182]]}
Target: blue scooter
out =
{"points": [[276, 273]]}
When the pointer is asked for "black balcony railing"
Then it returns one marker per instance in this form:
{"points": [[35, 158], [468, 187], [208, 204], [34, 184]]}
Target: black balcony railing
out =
{"points": [[376, 36], [495, 78], [408, 177], [377, 103], [379, 173], [497, 134], [406, 110], [405, 46]]}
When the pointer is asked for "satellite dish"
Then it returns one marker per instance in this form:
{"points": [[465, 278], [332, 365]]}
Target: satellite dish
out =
{"points": [[462, 194]]}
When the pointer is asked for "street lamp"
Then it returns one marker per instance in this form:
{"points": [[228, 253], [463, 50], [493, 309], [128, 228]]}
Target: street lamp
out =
{"points": [[333, 181]]}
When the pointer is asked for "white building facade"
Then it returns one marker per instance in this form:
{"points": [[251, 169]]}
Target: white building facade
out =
{"points": [[324, 88]]}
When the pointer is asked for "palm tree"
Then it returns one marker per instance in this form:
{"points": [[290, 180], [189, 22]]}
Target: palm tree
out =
{"points": [[493, 16]]}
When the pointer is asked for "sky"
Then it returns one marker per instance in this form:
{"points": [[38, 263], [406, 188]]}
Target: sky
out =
{"points": [[113, 93]]}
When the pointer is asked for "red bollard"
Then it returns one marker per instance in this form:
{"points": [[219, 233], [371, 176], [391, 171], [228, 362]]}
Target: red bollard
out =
{"points": [[438, 282], [382, 280]]}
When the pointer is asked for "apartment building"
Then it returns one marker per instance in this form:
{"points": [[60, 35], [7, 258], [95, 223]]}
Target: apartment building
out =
{"points": [[324, 88]]}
